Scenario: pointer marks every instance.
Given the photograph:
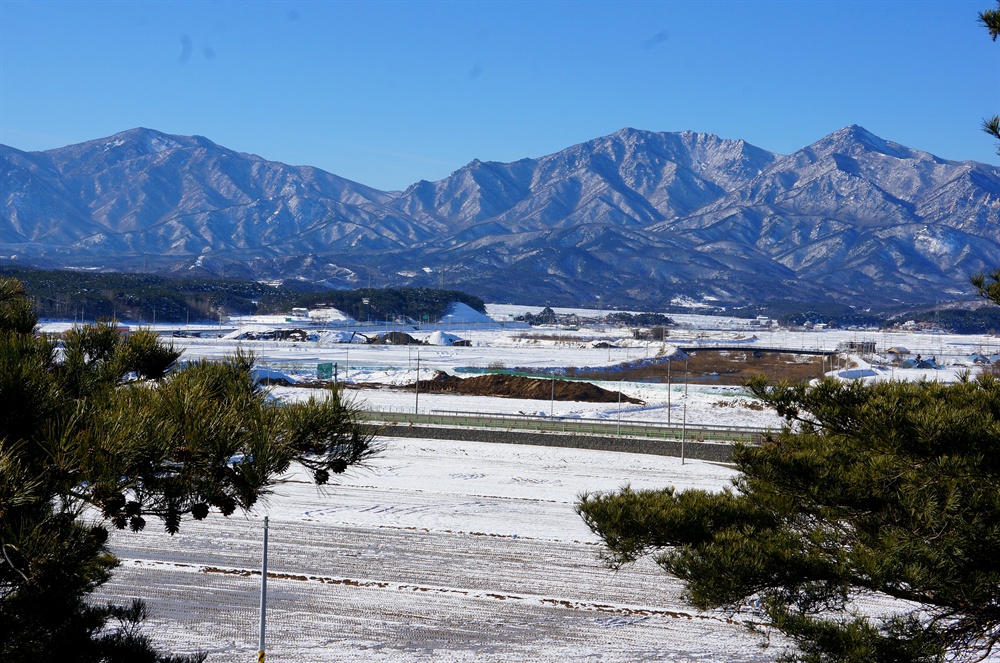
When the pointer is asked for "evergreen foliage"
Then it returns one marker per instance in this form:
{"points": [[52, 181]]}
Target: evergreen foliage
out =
{"points": [[793, 313], [418, 304], [639, 319], [988, 285], [990, 19], [984, 320], [106, 422], [147, 297], [547, 316], [544, 317], [892, 489]]}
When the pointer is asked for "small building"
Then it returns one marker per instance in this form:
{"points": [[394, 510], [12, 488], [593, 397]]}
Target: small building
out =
{"points": [[898, 350], [860, 347]]}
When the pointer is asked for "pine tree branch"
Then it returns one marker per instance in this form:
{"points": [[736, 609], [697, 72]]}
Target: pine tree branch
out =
{"points": [[990, 19]]}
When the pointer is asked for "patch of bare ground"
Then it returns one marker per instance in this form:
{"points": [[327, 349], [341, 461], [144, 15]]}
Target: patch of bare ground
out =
{"points": [[394, 338], [515, 386], [566, 339], [757, 406], [722, 367]]}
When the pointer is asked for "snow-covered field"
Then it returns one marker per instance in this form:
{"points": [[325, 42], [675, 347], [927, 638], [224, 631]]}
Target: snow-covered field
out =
{"points": [[467, 551], [439, 551], [358, 364]]}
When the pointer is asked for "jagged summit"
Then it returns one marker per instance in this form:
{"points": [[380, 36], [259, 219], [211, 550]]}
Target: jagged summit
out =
{"points": [[636, 217], [855, 140]]}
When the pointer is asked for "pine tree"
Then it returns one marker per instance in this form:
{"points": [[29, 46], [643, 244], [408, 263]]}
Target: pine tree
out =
{"points": [[892, 488], [990, 19], [105, 421]]}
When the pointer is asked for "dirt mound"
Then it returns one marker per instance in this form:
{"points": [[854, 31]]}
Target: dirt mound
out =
{"points": [[394, 338], [716, 367], [515, 386]]}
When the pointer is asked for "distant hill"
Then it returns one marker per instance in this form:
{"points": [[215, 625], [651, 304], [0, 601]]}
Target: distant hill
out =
{"points": [[634, 220]]}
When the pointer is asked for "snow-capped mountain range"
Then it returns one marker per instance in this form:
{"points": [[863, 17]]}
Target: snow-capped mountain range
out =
{"points": [[634, 219]]}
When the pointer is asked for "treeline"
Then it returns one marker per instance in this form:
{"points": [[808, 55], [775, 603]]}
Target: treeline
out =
{"points": [[618, 318], [639, 320], [795, 314], [89, 296], [418, 304], [985, 320]]}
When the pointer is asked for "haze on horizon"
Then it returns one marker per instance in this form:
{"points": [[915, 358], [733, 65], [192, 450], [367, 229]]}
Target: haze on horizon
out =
{"points": [[388, 93]]}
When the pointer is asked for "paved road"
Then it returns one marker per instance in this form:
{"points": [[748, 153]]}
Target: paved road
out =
{"points": [[594, 427]]}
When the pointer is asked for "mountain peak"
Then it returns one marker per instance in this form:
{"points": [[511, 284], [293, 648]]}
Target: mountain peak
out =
{"points": [[626, 131], [139, 141], [858, 133], [855, 139]]}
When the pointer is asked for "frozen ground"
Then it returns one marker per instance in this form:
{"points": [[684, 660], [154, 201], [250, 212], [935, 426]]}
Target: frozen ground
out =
{"points": [[541, 348], [439, 551], [452, 551]]}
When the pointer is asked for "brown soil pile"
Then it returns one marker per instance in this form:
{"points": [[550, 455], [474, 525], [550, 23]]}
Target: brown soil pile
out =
{"points": [[394, 338], [727, 367], [515, 386]]}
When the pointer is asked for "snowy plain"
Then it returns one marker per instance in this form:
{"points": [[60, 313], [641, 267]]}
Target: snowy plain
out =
{"points": [[438, 551], [466, 551]]}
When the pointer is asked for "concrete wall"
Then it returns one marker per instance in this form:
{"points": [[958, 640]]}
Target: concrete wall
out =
{"points": [[716, 452]]}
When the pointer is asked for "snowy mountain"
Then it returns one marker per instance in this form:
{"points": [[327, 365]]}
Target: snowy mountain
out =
{"points": [[631, 219]]}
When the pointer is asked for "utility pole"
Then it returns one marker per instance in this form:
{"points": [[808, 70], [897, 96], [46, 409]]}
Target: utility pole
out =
{"points": [[684, 432], [261, 657], [621, 385], [416, 387], [670, 388]]}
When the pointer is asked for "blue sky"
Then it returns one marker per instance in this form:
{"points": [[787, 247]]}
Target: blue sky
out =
{"points": [[388, 93]]}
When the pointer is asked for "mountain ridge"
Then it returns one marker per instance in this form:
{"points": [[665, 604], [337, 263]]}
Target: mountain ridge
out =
{"points": [[634, 218]]}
